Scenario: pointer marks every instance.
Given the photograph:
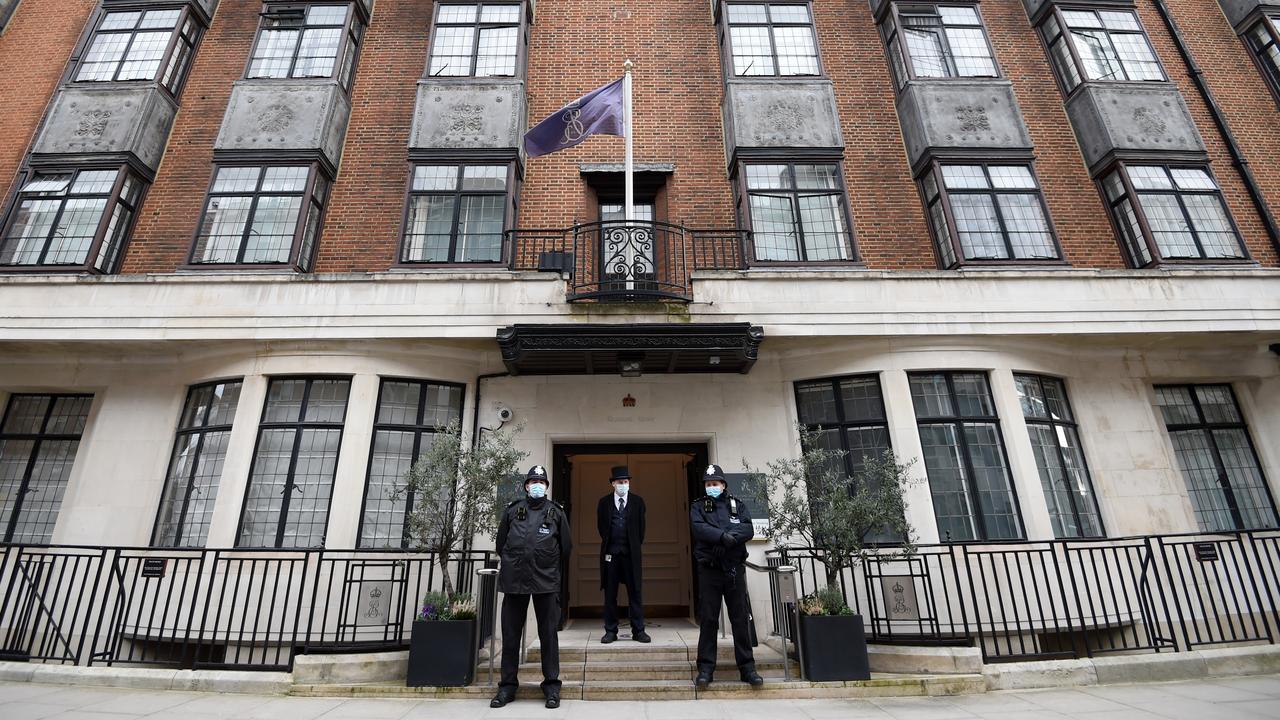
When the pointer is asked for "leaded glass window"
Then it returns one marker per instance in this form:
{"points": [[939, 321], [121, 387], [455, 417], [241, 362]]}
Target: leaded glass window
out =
{"points": [[287, 501], [1216, 457], [772, 39], [309, 41], [964, 457], [988, 212], [937, 41], [39, 437], [262, 215], [1055, 440], [475, 40], [195, 468], [797, 212], [71, 218], [456, 214], [1263, 40], [411, 414], [141, 45], [1170, 213], [1099, 45]]}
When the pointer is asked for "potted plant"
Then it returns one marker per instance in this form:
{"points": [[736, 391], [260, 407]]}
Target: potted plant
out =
{"points": [[813, 499], [453, 490]]}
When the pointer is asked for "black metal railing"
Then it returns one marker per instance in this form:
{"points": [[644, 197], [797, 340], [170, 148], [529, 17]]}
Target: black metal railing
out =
{"points": [[627, 260], [241, 609], [1064, 598]]}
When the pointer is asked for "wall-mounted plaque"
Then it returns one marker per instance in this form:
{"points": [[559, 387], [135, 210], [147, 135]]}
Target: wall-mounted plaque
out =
{"points": [[373, 607], [899, 597]]}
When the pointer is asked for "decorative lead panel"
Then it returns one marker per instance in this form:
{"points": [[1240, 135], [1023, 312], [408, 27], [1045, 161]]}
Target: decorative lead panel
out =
{"points": [[471, 114], [108, 120], [271, 115], [959, 115], [1241, 13], [1119, 120], [784, 114]]}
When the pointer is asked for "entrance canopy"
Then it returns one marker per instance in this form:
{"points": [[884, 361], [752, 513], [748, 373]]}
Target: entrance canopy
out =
{"points": [[584, 349]]}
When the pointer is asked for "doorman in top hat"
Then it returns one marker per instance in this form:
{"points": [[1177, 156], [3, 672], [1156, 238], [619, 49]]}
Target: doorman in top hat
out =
{"points": [[533, 545], [721, 528], [620, 519]]}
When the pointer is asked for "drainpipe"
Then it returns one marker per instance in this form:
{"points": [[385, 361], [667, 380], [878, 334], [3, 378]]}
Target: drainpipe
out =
{"points": [[1237, 157], [475, 406]]}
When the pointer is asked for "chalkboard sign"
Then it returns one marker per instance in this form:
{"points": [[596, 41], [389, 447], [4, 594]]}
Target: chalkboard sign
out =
{"points": [[153, 567], [753, 495]]}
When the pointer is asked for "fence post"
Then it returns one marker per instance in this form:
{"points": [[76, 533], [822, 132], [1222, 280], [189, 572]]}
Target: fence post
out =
{"points": [[1075, 591], [1177, 606]]}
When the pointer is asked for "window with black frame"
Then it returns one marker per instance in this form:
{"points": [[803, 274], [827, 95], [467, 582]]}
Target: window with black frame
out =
{"points": [[73, 218], [154, 45], [1168, 213], [1216, 457], [313, 40], [456, 214], [988, 212], [847, 414], [286, 503], [262, 215], [410, 415], [1099, 46], [797, 212], [39, 437], [964, 457], [937, 41], [1263, 41], [195, 468], [771, 39], [476, 40], [1055, 440]]}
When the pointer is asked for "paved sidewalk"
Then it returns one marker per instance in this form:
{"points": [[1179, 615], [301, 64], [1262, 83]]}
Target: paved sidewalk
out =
{"points": [[1242, 698]]}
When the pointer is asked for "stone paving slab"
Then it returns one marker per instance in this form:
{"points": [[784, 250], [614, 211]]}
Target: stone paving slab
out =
{"points": [[1243, 698]]}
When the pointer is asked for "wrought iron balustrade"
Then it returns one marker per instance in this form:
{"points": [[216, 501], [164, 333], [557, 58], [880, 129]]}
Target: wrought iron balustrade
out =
{"points": [[628, 260]]}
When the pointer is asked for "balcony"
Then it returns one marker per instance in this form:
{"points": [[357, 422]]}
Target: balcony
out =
{"points": [[637, 261]]}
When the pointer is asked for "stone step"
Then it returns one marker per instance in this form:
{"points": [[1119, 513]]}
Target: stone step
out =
{"points": [[638, 671], [638, 652], [725, 687]]}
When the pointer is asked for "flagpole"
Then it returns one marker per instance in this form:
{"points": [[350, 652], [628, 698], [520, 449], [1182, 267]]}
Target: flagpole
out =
{"points": [[630, 209]]}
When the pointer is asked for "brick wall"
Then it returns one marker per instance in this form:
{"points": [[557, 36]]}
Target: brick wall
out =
{"points": [[578, 45], [34, 51]]}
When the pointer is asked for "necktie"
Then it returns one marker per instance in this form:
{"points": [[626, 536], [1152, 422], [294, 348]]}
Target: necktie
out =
{"points": [[622, 504]]}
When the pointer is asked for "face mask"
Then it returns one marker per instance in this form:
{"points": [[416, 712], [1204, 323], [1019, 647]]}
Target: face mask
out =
{"points": [[622, 489], [537, 491], [714, 491]]}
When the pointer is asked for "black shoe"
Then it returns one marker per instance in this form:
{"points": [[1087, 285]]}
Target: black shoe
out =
{"points": [[553, 701], [608, 637], [752, 678], [501, 699], [641, 636], [703, 680]]}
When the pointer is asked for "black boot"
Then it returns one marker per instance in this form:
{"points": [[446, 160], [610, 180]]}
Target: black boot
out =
{"points": [[751, 677], [608, 637], [553, 701], [502, 698], [703, 679]]}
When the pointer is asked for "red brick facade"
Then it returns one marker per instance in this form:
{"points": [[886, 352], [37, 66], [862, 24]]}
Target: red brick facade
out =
{"points": [[678, 90]]}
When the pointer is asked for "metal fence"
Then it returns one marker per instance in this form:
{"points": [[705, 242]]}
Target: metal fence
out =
{"points": [[1064, 598], [241, 609]]}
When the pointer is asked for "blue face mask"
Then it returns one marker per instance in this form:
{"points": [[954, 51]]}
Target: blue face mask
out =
{"points": [[537, 491], [715, 491]]}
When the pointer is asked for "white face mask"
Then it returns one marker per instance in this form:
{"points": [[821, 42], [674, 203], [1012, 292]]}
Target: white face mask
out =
{"points": [[622, 489], [537, 490]]}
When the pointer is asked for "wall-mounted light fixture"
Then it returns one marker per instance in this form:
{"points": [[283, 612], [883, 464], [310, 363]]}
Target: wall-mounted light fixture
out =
{"points": [[630, 364]]}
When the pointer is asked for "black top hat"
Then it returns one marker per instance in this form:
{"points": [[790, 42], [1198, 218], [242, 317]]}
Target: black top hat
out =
{"points": [[619, 472], [537, 472], [714, 472]]}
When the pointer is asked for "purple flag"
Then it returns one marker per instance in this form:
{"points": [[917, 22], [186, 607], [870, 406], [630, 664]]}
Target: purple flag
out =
{"points": [[599, 111]]}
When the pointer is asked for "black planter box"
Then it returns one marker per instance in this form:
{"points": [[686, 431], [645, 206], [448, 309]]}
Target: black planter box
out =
{"points": [[833, 647], [442, 654]]}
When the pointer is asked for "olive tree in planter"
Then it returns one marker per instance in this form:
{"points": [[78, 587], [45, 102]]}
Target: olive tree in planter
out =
{"points": [[814, 501], [454, 497]]}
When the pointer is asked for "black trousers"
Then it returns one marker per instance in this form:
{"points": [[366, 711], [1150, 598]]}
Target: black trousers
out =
{"points": [[716, 586], [619, 572], [546, 608]]}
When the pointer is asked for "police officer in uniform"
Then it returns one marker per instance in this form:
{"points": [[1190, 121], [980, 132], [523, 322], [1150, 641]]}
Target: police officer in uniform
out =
{"points": [[533, 544], [721, 528]]}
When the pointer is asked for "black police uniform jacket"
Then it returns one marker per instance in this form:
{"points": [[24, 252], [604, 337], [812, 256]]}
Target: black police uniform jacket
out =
{"points": [[710, 520], [534, 544], [635, 532]]}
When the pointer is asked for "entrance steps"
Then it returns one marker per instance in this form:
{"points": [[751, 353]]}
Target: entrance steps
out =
{"points": [[661, 670]]}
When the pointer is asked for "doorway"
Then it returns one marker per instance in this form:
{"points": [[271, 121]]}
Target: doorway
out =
{"points": [[662, 475]]}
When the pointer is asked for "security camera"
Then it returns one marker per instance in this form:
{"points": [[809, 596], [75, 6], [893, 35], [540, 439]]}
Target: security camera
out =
{"points": [[505, 414]]}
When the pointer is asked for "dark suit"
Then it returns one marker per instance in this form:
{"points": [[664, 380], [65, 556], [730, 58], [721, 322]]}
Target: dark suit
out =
{"points": [[624, 565]]}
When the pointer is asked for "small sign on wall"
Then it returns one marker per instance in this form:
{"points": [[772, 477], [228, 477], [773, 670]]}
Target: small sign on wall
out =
{"points": [[741, 488], [899, 593], [374, 603], [1206, 551], [153, 567]]}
